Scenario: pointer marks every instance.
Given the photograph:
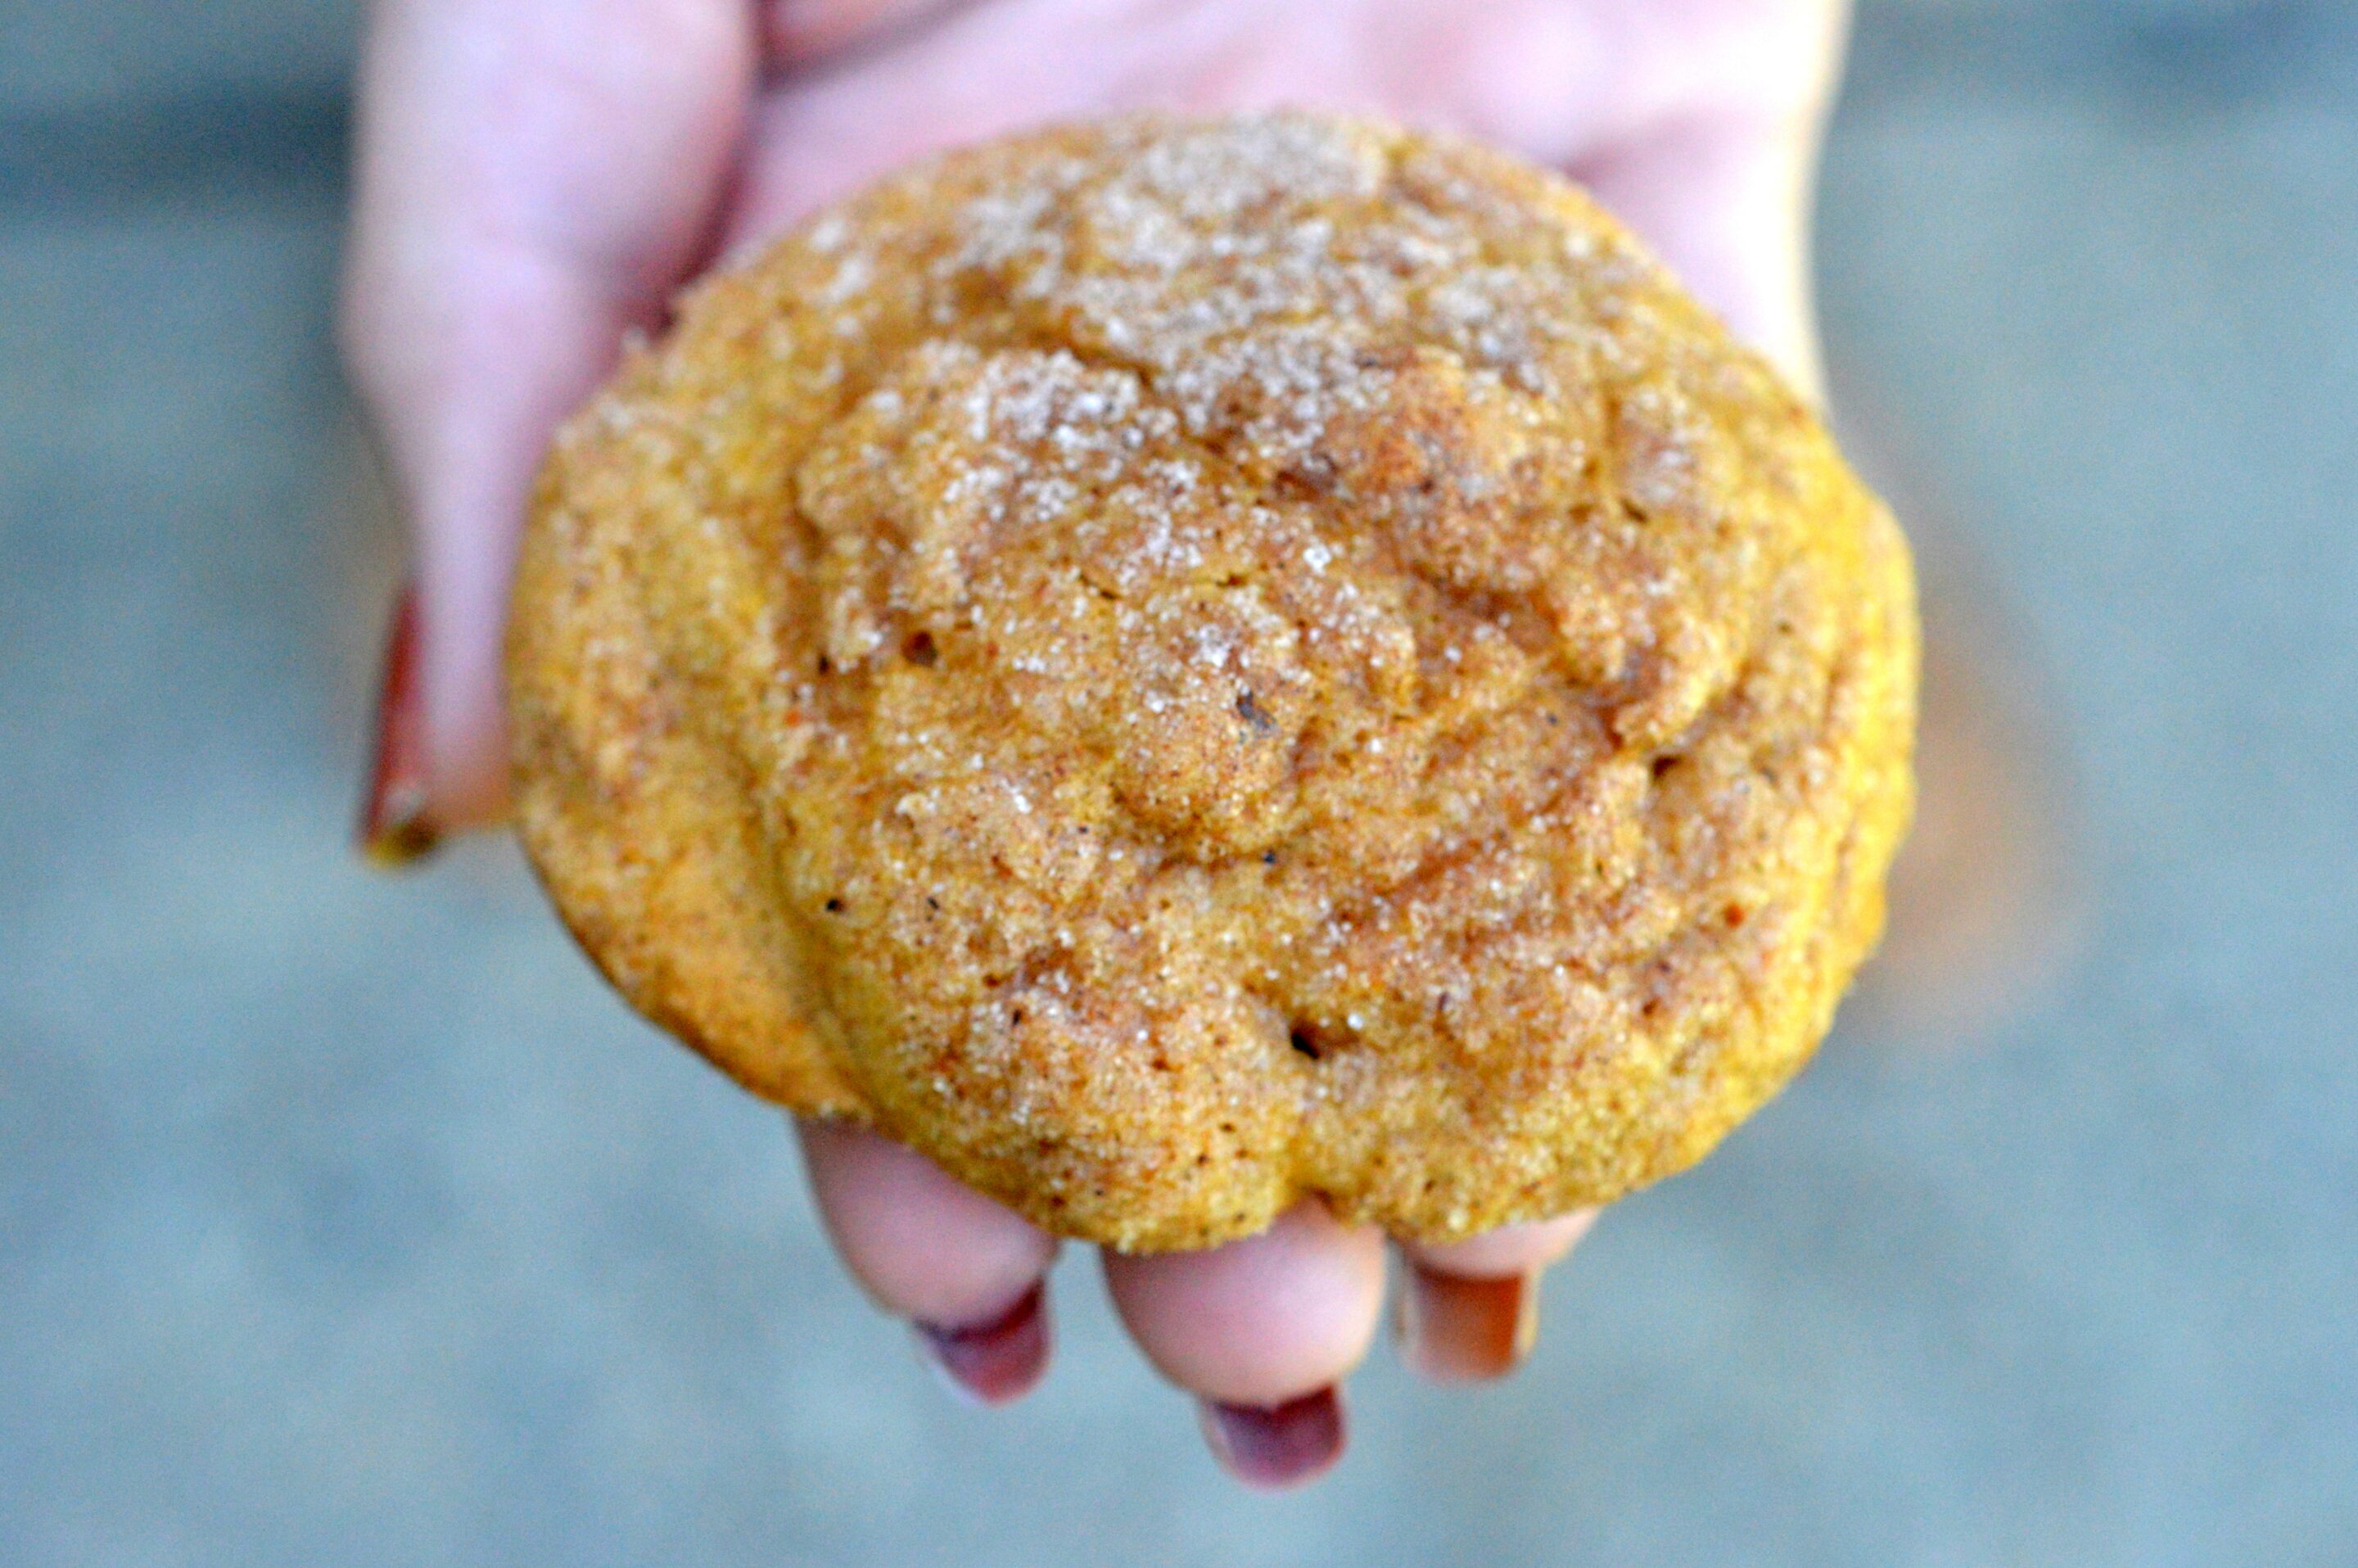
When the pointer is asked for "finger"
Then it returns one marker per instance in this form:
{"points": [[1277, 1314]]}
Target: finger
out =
{"points": [[1261, 1330], [1506, 1252], [1469, 1310], [533, 178], [964, 1270]]}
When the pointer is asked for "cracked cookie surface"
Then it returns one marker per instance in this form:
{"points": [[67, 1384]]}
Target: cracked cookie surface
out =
{"points": [[1175, 664]]}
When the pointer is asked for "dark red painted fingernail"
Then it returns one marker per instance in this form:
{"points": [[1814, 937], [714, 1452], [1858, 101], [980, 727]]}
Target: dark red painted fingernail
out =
{"points": [[394, 828], [1273, 1447], [998, 1361], [1455, 1330]]}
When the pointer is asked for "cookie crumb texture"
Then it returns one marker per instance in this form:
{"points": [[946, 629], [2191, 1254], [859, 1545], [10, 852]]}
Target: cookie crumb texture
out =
{"points": [[1172, 666]]}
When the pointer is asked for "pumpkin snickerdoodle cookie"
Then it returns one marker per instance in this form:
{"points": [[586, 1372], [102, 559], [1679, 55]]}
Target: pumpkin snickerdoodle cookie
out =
{"points": [[1175, 664]]}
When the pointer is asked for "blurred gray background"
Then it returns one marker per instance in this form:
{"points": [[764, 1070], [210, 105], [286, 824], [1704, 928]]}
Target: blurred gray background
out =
{"points": [[346, 1220]]}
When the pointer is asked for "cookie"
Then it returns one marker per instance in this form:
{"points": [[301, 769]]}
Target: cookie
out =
{"points": [[1172, 666]]}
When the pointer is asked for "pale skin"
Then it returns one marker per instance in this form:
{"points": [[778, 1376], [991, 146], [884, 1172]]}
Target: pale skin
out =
{"points": [[538, 178]]}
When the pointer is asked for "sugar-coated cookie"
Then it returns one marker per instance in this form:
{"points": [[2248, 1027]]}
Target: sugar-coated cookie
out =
{"points": [[1172, 666]]}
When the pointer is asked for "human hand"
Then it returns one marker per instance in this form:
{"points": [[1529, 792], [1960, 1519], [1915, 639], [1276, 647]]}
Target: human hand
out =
{"points": [[537, 178]]}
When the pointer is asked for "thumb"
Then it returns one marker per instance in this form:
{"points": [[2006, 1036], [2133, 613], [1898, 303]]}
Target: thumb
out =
{"points": [[1716, 165], [1725, 201], [534, 178]]}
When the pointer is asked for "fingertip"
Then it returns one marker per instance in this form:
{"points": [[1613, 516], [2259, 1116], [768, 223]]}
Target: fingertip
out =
{"points": [[462, 614], [1457, 1330], [1468, 1311], [395, 828], [994, 1362], [1510, 1250], [922, 1245], [427, 777], [1261, 1322], [1274, 1448]]}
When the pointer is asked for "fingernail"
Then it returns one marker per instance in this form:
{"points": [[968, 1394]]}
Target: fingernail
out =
{"points": [[1273, 1447], [995, 1362], [395, 829], [1455, 1330]]}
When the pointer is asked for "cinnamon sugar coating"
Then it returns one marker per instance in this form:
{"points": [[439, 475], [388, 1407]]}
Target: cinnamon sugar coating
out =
{"points": [[1170, 666]]}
